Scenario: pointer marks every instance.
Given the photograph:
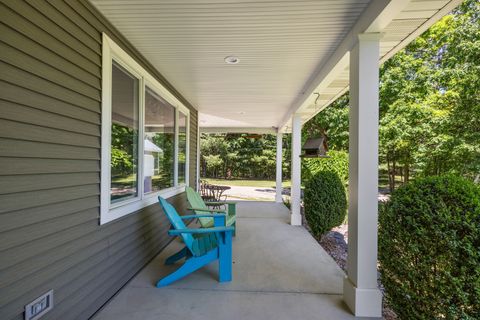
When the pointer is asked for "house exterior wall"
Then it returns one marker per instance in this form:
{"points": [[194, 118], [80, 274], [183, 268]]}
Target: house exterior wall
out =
{"points": [[50, 111]]}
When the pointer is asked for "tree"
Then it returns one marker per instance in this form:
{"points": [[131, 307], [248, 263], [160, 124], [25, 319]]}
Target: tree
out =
{"points": [[404, 131], [213, 164], [429, 103], [241, 156], [331, 124], [123, 150]]}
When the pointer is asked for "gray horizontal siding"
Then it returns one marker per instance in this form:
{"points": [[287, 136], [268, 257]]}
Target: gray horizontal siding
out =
{"points": [[25, 131], [16, 112], [50, 111], [41, 101], [21, 148]]}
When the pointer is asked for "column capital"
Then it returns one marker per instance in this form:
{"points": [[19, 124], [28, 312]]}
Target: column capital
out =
{"points": [[370, 36]]}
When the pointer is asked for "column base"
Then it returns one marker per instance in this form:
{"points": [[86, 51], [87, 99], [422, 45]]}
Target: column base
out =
{"points": [[362, 302], [279, 199], [295, 219]]}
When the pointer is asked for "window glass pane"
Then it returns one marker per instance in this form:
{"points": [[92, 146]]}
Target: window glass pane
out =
{"points": [[159, 142], [182, 147], [124, 145]]}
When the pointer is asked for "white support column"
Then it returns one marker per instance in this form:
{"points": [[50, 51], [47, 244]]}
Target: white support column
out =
{"points": [[279, 161], [360, 288], [296, 218], [197, 181]]}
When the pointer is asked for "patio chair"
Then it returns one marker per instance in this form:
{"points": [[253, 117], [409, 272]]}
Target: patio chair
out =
{"points": [[202, 246], [205, 192], [200, 207]]}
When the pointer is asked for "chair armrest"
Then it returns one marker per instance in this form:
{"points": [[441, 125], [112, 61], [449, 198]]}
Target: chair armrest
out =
{"points": [[177, 232], [216, 203], [195, 216], [207, 210]]}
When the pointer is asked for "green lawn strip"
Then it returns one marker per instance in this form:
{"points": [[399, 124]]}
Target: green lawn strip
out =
{"points": [[246, 183], [235, 197]]}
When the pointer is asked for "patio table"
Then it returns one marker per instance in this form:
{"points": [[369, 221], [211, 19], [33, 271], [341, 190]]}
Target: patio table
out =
{"points": [[215, 192]]}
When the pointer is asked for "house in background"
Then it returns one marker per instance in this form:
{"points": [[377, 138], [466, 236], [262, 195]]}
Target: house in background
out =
{"points": [[84, 83]]}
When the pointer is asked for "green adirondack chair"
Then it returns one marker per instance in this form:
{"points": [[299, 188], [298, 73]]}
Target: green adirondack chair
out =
{"points": [[199, 207]]}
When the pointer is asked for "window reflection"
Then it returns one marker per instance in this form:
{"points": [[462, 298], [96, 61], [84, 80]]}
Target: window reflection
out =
{"points": [[159, 143], [182, 147], [124, 138]]}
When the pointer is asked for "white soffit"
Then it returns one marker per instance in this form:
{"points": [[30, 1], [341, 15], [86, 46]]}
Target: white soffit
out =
{"points": [[279, 44]]}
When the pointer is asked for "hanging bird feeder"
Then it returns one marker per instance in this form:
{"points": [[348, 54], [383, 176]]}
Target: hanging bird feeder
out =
{"points": [[315, 148]]}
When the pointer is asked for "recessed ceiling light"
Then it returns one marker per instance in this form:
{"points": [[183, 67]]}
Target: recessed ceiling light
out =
{"points": [[232, 60]]}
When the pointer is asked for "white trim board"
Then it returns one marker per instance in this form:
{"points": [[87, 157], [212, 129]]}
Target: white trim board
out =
{"points": [[272, 130]]}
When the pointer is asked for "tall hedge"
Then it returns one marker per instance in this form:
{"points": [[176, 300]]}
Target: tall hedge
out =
{"points": [[337, 162], [325, 202], [429, 249]]}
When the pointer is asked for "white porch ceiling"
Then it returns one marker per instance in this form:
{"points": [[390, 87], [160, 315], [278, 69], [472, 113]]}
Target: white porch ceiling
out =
{"points": [[279, 43], [286, 49]]}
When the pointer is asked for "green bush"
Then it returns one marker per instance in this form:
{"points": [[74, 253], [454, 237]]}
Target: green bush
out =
{"points": [[337, 162], [325, 202], [429, 249]]}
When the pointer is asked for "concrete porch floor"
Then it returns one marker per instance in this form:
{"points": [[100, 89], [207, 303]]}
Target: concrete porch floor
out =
{"points": [[279, 272]]}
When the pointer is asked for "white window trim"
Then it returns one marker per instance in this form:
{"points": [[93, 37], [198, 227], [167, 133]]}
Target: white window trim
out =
{"points": [[186, 112], [109, 212]]}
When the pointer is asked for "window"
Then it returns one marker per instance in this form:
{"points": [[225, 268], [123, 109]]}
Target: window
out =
{"points": [[145, 137]]}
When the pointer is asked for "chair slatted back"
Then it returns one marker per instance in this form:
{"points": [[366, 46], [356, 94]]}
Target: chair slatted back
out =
{"points": [[196, 201], [177, 222]]}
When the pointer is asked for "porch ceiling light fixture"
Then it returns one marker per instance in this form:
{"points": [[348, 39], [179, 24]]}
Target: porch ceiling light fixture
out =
{"points": [[232, 60]]}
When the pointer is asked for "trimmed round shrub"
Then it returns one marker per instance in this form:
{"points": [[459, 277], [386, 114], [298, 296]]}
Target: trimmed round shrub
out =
{"points": [[325, 202], [429, 249]]}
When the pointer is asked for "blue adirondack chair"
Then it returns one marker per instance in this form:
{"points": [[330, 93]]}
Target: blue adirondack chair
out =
{"points": [[202, 246]]}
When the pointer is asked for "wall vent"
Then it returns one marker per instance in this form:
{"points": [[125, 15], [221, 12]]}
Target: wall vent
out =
{"points": [[38, 307]]}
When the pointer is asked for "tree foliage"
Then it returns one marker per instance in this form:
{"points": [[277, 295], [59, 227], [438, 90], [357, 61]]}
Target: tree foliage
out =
{"points": [[123, 150], [429, 103], [241, 156], [331, 124]]}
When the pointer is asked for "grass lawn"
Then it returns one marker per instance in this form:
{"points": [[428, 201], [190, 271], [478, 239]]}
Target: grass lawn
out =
{"points": [[246, 183], [383, 181]]}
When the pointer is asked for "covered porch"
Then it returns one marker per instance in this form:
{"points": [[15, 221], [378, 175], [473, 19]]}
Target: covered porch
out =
{"points": [[246, 73], [182, 68], [279, 272]]}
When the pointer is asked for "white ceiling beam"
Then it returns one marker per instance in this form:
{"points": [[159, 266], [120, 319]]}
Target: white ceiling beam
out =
{"points": [[375, 18], [272, 130]]}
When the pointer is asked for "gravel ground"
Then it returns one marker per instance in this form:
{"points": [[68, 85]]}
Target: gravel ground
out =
{"points": [[335, 242]]}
